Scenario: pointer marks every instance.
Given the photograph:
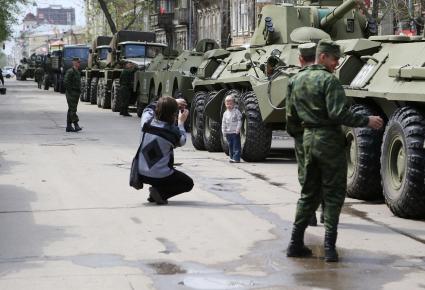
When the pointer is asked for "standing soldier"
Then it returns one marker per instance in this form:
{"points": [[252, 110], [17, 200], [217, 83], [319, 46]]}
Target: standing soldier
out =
{"points": [[126, 85], [320, 105], [72, 83], [38, 74], [294, 128], [47, 72]]}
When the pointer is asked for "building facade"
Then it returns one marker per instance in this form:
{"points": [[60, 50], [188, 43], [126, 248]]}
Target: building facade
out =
{"points": [[56, 14], [213, 21]]}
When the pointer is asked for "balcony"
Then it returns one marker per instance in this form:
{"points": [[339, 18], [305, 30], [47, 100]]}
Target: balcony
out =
{"points": [[182, 15], [164, 20]]}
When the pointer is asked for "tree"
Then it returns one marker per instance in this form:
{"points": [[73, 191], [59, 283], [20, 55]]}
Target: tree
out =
{"points": [[122, 14], [8, 11]]}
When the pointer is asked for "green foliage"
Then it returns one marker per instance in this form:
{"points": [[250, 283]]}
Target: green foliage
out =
{"points": [[8, 11]]}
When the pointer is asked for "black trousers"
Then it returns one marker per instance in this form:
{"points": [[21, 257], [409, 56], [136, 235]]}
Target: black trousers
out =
{"points": [[172, 185]]}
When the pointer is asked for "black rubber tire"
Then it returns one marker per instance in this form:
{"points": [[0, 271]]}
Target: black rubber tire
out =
{"points": [[363, 158], [93, 91], [46, 83], [256, 138], [83, 85], [87, 93], [197, 120], [115, 96], [404, 137], [212, 130]]}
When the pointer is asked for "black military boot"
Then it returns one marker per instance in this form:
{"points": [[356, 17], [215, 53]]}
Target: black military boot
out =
{"points": [[331, 254], [77, 127], [296, 247], [313, 221], [69, 127]]}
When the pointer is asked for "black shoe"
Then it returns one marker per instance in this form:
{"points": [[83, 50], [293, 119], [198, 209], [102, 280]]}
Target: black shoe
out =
{"points": [[156, 196], [296, 247], [313, 221], [150, 199], [77, 127], [69, 129], [126, 114], [331, 255]]}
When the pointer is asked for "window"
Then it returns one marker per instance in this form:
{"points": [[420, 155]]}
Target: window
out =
{"points": [[80, 52]]}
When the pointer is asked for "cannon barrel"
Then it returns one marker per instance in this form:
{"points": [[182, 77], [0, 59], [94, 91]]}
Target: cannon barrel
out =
{"points": [[337, 13]]}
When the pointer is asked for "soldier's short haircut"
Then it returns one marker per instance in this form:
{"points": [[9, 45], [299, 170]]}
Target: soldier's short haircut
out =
{"points": [[329, 47], [166, 109]]}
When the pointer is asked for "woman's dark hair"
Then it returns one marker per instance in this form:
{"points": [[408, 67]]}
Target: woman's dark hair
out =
{"points": [[166, 109]]}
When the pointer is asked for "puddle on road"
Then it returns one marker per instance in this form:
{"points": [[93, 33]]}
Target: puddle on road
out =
{"points": [[216, 283], [57, 144], [165, 268]]}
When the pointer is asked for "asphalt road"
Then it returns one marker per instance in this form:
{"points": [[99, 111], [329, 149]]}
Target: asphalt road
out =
{"points": [[69, 220]]}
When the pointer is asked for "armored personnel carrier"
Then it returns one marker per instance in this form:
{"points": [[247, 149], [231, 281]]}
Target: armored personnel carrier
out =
{"points": [[171, 75], [98, 54], [26, 68], [378, 73], [134, 46], [280, 29], [61, 61]]}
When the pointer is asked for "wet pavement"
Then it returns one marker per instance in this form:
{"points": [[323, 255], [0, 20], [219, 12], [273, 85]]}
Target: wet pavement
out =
{"points": [[68, 219]]}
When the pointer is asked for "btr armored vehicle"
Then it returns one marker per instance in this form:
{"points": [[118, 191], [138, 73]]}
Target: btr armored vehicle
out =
{"points": [[126, 46], [96, 63], [383, 75], [170, 75], [26, 68], [61, 61]]}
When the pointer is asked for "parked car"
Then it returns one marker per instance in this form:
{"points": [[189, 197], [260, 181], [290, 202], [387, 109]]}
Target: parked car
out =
{"points": [[7, 72]]}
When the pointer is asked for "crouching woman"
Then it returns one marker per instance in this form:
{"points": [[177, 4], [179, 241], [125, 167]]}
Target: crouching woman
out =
{"points": [[160, 135]]}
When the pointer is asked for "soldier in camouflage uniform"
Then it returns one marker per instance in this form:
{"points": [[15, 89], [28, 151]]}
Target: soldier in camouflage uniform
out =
{"points": [[47, 72], [126, 88], [319, 104], [38, 75], [307, 57], [72, 83]]}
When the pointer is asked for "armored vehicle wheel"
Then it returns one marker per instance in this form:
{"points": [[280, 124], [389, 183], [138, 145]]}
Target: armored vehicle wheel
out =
{"points": [[93, 91], [100, 92], [197, 120], [115, 96], [256, 138], [212, 131], [363, 153], [46, 83], [18, 75], [55, 83], [403, 163], [105, 101], [83, 86], [87, 91]]}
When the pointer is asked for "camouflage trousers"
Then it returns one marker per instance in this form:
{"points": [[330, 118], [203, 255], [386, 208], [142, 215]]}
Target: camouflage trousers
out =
{"points": [[325, 176], [72, 100]]}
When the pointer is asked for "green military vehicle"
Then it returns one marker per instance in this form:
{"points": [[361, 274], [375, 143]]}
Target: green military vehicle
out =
{"points": [[378, 73], [170, 75], [95, 65], [61, 61], [280, 29], [134, 46], [26, 68]]}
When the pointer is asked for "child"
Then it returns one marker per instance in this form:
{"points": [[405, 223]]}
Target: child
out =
{"points": [[231, 126]]}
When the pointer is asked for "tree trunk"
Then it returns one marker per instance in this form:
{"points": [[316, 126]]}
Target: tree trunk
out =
{"points": [[108, 16]]}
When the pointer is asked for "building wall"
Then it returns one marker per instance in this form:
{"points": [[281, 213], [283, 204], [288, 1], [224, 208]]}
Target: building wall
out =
{"points": [[213, 21], [242, 21], [56, 14]]}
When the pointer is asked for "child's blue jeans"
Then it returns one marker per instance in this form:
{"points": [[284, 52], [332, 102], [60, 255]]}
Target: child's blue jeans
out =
{"points": [[234, 141]]}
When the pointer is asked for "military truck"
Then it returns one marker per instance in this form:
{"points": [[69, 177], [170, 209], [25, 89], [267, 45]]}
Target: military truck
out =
{"points": [[98, 54], [379, 74], [26, 68], [133, 46], [61, 61], [170, 75]]}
